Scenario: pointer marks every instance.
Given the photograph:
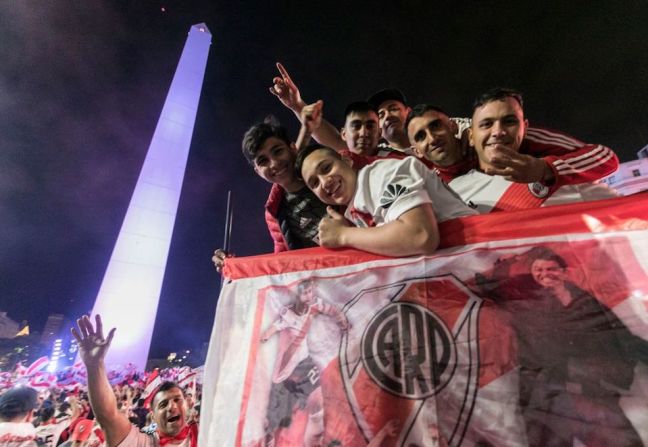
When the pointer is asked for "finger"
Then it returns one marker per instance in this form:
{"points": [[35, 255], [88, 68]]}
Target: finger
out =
{"points": [[76, 335], [334, 214], [83, 326], [111, 334], [98, 325], [284, 72]]}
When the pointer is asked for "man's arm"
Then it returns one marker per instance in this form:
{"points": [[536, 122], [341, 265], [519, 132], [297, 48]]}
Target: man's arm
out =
{"points": [[93, 347], [571, 160], [285, 89], [414, 232]]}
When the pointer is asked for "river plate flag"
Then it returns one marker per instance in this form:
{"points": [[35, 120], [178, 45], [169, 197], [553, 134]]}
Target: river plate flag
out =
{"points": [[527, 328]]}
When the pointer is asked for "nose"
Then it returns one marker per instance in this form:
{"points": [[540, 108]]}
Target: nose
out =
{"points": [[497, 128], [363, 131], [431, 137]]}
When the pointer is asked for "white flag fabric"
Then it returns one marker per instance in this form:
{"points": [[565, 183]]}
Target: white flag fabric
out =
{"points": [[528, 328]]}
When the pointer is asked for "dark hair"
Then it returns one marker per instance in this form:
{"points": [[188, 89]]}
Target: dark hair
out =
{"points": [[304, 284], [166, 386], [359, 107], [545, 254], [259, 133], [420, 110], [304, 153], [497, 94], [47, 412]]}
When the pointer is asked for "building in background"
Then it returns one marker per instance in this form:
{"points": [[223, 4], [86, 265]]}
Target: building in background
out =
{"points": [[632, 176], [8, 327]]}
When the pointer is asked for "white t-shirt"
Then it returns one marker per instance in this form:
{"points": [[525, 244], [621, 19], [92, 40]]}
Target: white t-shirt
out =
{"points": [[48, 434], [495, 193], [17, 434], [136, 438], [388, 188]]}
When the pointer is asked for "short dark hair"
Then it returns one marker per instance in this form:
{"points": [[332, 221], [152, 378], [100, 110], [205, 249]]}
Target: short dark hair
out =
{"points": [[359, 107], [165, 386], [420, 110], [304, 284], [259, 133], [304, 153], [497, 94], [546, 254]]}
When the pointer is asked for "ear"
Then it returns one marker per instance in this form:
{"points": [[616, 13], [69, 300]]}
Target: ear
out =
{"points": [[471, 139], [454, 126], [346, 159], [293, 147], [526, 126]]}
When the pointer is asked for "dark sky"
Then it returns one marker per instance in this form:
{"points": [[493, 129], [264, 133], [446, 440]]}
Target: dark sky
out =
{"points": [[82, 85]]}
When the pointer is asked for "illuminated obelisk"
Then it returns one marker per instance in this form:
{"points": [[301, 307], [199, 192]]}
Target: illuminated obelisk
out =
{"points": [[130, 291]]}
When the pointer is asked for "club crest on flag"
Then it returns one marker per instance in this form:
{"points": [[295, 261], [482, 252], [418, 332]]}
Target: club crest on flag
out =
{"points": [[413, 357]]}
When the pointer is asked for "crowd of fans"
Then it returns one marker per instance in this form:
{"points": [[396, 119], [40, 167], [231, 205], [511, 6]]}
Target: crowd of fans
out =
{"points": [[62, 415], [382, 183]]}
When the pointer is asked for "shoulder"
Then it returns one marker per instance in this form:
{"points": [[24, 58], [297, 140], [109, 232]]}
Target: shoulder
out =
{"points": [[138, 438], [274, 199]]}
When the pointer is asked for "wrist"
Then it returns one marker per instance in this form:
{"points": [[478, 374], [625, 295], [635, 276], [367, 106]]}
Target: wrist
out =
{"points": [[548, 177]]}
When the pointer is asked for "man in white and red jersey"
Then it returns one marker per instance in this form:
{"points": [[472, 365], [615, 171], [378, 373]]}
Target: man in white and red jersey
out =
{"points": [[295, 380], [517, 169]]}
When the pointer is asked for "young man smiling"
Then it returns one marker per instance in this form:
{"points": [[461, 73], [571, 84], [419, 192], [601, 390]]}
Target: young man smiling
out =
{"points": [[518, 170], [395, 204]]}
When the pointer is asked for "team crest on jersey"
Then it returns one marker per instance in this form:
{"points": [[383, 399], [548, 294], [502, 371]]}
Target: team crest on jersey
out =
{"points": [[391, 193], [538, 190], [413, 358]]}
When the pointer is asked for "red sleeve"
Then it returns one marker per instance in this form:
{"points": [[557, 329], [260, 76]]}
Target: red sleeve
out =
{"points": [[571, 160], [275, 233]]}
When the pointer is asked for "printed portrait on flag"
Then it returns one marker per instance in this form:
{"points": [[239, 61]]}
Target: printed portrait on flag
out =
{"points": [[542, 341]]}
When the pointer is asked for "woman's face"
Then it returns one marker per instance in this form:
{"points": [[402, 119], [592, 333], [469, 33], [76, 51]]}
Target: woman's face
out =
{"points": [[547, 273]]}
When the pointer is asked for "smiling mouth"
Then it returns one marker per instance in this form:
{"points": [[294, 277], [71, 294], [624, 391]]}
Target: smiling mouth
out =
{"points": [[173, 419]]}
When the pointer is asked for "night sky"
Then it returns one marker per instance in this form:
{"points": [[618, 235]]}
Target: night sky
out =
{"points": [[82, 85]]}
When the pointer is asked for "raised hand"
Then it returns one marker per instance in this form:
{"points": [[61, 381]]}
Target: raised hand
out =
{"points": [[285, 89], [331, 229], [93, 346]]}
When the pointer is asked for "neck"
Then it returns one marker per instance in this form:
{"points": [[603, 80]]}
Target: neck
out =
{"points": [[400, 141], [293, 186]]}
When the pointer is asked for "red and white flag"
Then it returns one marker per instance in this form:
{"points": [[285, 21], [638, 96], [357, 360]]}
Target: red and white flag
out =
{"points": [[528, 328], [38, 365], [153, 382]]}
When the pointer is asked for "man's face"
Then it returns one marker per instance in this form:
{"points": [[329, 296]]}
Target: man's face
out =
{"points": [[547, 273], [361, 132], [169, 411], [495, 125], [331, 179], [392, 115], [275, 162], [433, 137], [307, 294]]}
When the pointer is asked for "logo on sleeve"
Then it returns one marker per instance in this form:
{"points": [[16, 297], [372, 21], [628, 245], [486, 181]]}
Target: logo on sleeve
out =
{"points": [[538, 190], [390, 194]]}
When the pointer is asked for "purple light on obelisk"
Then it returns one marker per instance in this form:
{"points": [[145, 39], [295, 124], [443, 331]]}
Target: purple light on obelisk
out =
{"points": [[130, 291]]}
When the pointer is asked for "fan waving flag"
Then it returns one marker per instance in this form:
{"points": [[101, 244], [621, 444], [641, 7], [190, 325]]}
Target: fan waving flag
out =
{"points": [[528, 328]]}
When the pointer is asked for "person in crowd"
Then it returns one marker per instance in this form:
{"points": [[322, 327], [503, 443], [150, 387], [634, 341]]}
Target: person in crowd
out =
{"points": [[386, 200], [51, 427], [392, 113], [167, 405], [519, 171], [17, 407]]}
